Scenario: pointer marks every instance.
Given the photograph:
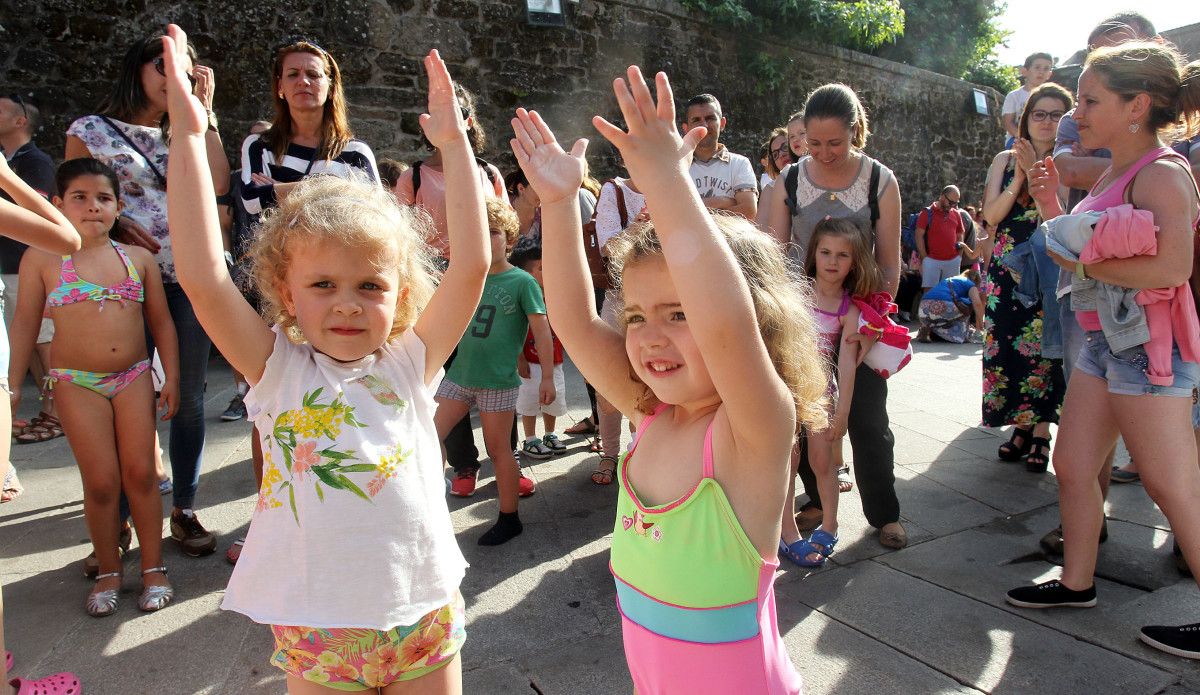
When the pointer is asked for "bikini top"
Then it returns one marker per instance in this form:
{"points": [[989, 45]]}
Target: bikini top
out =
{"points": [[72, 288]]}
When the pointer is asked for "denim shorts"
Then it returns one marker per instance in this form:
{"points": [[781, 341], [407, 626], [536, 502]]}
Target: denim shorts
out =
{"points": [[1125, 372]]}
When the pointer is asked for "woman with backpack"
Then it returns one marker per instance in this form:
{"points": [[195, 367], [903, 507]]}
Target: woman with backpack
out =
{"points": [[838, 180]]}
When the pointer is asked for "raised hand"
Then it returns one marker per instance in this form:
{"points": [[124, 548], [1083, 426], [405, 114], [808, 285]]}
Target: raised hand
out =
{"points": [[188, 115], [553, 173], [205, 85], [1044, 182], [652, 147], [1026, 155], [444, 123]]}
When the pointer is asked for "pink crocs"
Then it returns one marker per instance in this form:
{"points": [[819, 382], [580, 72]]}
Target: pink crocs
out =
{"points": [[57, 684]]}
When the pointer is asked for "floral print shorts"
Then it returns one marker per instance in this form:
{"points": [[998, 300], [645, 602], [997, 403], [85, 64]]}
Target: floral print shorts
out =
{"points": [[354, 659]]}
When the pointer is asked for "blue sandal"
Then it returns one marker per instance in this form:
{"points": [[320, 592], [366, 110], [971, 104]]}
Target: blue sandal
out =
{"points": [[820, 543]]}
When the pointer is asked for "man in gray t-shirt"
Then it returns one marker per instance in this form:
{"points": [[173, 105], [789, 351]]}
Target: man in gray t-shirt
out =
{"points": [[725, 180]]}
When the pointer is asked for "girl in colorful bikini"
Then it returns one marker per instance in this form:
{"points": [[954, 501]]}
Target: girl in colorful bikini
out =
{"points": [[350, 557], [840, 261], [718, 368], [102, 299]]}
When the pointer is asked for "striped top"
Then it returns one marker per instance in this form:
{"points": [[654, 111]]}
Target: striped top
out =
{"points": [[697, 601], [297, 162]]}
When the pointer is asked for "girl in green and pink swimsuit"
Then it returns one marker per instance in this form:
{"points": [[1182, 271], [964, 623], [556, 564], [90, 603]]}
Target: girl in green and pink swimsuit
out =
{"points": [[718, 368]]}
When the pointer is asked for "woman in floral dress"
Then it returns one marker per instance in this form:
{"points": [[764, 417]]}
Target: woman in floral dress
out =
{"points": [[1020, 386]]}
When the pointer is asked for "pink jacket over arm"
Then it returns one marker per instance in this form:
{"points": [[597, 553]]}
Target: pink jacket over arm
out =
{"points": [[1124, 232]]}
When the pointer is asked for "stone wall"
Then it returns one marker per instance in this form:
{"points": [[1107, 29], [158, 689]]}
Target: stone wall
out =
{"points": [[65, 53]]}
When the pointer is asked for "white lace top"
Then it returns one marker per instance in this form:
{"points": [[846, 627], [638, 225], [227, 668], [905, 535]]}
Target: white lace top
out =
{"points": [[815, 203], [608, 216]]}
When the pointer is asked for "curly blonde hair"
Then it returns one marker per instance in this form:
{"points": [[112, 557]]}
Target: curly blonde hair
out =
{"points": [[354, 213], [781, 302], [501, 218]]}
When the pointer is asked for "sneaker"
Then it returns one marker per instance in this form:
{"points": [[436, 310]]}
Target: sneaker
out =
{"points": [[525, 486], [463, 484], [552, 442], [165, 487], [1052, 543], [535, 449], [193, 538], [1183, 640], [1052, 594], [91, 564], [235, 411]]}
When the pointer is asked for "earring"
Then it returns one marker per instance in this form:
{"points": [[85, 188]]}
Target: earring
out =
{"points": [[1134, 127], [281, 95]]}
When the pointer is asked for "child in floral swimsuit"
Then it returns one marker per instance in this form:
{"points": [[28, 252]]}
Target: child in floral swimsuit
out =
{"points": [[350, 556], [102, 299]]}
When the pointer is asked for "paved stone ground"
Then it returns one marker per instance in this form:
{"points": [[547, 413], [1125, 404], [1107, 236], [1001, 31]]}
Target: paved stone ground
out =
{"points": [[927, 619]]}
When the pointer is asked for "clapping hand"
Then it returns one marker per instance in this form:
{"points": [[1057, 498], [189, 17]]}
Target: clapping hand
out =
{"points": [[205, 85], [1044, 182], [554, 174], [1026, 156], [188, 115], [443, 124], [652, 148]]}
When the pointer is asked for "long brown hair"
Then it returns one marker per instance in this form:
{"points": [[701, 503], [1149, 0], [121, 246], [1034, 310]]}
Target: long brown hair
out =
{"points": [[335, 122], [127, 98], [864, 277]]}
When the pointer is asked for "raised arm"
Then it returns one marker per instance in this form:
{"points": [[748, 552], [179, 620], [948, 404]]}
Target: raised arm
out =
{"points": [[236, 329], [597, 349], [442, 323], [713, 291], [31, 219]]}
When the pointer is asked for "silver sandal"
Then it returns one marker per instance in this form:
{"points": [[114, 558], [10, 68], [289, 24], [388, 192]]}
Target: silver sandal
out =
{"points": [[102, 603], [156, 597]]}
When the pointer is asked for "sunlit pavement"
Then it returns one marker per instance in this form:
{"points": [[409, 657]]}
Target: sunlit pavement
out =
{"points": [[928, 619]]}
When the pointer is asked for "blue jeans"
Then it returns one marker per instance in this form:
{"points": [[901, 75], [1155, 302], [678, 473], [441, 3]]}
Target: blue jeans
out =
{"points": [[187, 427]]}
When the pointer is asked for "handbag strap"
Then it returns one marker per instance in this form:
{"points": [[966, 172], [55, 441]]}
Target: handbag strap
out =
{"points": [[157, 174]]}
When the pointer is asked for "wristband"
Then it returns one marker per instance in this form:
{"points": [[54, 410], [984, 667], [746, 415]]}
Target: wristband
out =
{"points": [[1080, 271]]}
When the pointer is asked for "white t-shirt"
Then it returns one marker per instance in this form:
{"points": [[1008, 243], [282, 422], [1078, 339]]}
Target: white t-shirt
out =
{"points": [[351, 528], [723, 175], [1014, 101]]}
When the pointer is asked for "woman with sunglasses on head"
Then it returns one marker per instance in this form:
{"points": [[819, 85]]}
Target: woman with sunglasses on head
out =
{"points": [[310, 133], [1022, 379], [130, 133]]}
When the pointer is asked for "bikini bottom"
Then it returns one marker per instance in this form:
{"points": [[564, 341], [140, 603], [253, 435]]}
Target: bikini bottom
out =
{"points": [[107, 384]]}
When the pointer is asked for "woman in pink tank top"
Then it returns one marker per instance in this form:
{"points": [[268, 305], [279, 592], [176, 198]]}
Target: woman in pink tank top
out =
{"points": [[1129, 96]]}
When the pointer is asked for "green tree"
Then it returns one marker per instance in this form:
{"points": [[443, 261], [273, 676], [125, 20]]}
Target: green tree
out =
{"points": [[953, 38], [857, 24]]}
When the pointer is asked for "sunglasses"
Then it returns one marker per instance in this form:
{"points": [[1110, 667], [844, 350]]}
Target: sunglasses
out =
{"points": [[951, 203], [16, 99], [1039, 115], [160, 67], [781, 150]]}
